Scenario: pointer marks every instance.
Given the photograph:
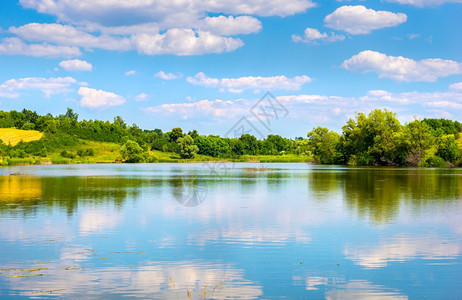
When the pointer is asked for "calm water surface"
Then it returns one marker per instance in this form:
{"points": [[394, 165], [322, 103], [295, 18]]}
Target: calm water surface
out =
{"points": [[242, 231]]}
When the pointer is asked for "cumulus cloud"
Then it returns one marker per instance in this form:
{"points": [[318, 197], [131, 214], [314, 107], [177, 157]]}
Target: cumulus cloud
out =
{"points": [[15, 46], [361, 20], [230, 25], [313, 35], [400, 68], [167, 76], [76, 65], [240, 84], [184, 42], [153, 27], [422, 3], [70, 36], [93, 98], [48, 86], [116, 12]]}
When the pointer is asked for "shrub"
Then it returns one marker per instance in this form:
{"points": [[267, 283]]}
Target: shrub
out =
{"points": [[433, 161], [132, 152], [67, 154]]}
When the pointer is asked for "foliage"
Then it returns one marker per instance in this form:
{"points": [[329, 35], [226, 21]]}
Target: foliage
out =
{"points": [[85, 152], [187, 147], [419, 139], [376, 138], [433, 161], [132, 152], [67, 154], [448, 149], [212, 145], [443, 126], [323, 144]]}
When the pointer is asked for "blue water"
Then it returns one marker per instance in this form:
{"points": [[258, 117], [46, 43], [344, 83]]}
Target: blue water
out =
{"points": [[230, 231]]}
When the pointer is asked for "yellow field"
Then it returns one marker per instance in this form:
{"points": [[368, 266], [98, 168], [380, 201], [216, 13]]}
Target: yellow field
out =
{"points": [[14, 136]]}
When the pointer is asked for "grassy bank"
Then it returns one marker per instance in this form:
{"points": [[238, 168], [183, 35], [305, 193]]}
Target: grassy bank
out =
{"points": [[104, 152]]}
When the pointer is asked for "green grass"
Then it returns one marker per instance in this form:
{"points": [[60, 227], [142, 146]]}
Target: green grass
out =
{"points": [[105, 152]]}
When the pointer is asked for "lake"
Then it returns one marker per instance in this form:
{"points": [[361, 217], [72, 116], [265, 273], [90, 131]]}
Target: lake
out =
{"points": [[230, 231]]}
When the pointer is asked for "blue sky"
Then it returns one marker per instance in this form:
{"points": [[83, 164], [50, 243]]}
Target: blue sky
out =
{"points": [[204, 64]]}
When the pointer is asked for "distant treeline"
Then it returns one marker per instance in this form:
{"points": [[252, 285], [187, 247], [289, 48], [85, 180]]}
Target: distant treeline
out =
{"points": [[374, 139]]}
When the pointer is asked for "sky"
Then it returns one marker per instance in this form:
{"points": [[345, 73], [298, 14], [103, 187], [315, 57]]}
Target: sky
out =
{"points": [[229, 67]]}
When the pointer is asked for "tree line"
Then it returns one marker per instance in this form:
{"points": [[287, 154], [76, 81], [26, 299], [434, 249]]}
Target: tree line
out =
{"points": [[375, 139]]}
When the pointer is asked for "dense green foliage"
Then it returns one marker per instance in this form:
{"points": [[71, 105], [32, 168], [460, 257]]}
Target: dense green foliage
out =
{"points": [[132, 152], [380, 139], [377, 138], [187, 147]]}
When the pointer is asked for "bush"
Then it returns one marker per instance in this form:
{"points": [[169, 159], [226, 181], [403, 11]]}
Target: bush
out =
{"points": [[132, 152], [433, 161], [85, 152], [67, 154], [28, 126]]}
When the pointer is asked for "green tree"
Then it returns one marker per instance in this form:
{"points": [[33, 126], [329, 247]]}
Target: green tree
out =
{"points": [[132, 152], [419, 138], [249, 143], [448, 149], [118, 121], [212, 145], [323, 144], [376, 139], [194, 134], [175, 134], [187, 147], [71, 114]]}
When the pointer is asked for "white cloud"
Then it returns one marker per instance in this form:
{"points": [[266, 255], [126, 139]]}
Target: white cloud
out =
{"points": [[76, 65], [361, 20], [184, 42], [152, 27], [131, 73], [215, 108], [445, 105], [93, 98], [456, 86], [70, 36], [422, 3], [230, 25], [142, 97], [313, 35], [167, 76], [118, 12], [250, 82], [15, 46], [323, 109], [48, 86], [400, 68]]}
